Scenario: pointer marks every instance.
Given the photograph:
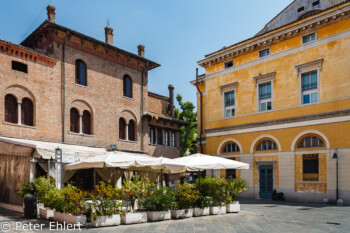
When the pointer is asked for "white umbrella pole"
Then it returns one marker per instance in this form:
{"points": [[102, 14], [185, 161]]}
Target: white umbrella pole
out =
{"points": [[161, 177], [199, 179]]}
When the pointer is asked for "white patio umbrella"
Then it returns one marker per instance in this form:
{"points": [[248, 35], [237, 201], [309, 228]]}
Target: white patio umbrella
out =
{"points": [[126, 160], [197, 162], [202, 162]]}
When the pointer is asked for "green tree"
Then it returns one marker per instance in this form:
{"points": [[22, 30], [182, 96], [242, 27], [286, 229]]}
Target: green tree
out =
{"points": [[189, 131]]}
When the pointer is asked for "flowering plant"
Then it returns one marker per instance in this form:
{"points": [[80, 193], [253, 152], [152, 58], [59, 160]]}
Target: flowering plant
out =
{"points": [[106, 200], [185, 196]]}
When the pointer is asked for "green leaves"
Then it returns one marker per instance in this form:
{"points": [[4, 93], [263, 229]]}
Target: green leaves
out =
{"points": [[185, 195], [188, 132], [161, 199]]}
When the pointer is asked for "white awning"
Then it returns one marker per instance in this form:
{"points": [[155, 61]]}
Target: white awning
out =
{"points": [[46, 150]]}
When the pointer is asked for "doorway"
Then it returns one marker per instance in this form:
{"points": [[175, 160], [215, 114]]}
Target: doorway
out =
{"points": [[266, 181]]}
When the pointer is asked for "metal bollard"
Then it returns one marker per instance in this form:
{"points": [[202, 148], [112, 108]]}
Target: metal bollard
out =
{"points": [[30, 208]]}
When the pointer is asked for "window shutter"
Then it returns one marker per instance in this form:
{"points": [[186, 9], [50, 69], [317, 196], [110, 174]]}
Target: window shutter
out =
{"points": [[86, 122]]}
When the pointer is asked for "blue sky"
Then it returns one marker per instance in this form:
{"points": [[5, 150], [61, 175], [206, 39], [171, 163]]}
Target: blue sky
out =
{"points": [[176, 33]]}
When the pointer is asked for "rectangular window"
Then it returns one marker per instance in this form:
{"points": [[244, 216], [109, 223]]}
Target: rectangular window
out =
{"points": [[264, 53], [309, 87], [172, 139], [309, 38], [19, 66], [160, 137], [265, 99], [228, 64], [152, 135], [301, 9], [229, 102], [315, 3], [166, 137], [310, 167]]}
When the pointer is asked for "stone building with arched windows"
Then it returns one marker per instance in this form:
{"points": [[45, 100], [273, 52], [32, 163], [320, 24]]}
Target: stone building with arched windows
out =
{"points": [[62, 89], [285, 109]]}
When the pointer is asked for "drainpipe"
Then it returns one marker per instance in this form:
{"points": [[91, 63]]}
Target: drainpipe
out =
{"points": [[142, 107], [63, 85], [201, 128]]}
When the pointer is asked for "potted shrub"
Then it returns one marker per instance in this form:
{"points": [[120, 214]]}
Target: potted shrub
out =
{"points": [[185, 198], [43, 187], [216, 189], [234, 188], [135, 189], [158, 203], [39, 188], [69, 206], [202, 206], [106, 206]]}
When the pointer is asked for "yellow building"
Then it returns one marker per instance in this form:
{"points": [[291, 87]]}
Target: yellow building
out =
{"points": [[280, 101]]}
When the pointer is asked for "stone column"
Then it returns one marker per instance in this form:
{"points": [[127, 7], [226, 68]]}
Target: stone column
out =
{"points": [[19, 112], [127, 132], [80, 124]]}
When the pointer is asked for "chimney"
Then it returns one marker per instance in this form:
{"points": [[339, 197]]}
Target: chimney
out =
{"points": [[109, 35], [51, 13], [171, 98], [141, 50]]}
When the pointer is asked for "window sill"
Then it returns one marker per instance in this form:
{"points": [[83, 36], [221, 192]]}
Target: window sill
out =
{"points": [[124, 140], [79, 85], [129, 98], [310, 104], [311, 182], [81, 134], [19, 125], [150, 144]]}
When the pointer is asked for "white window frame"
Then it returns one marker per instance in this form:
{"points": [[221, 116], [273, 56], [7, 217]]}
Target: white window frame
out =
{"points": [[227, 63], [263, 79], [172, 140], [306, 68], [263, 50], [310, 34], [228, 88]]}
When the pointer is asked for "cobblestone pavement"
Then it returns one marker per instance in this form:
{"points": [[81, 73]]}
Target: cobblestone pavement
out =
{"points": [[255, 216]]}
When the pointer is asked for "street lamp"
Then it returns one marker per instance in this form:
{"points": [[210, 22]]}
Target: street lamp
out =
{"points": [[335, 156]]}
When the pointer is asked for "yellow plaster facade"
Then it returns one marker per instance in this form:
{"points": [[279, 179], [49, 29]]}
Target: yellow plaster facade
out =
{"points": [[290, 120]]}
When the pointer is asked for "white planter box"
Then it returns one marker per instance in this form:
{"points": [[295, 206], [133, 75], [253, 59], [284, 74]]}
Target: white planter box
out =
{"points": [[201, 212], [215, 210], [69, 219], [153, 216], [102, 221], [235, 207], [131, 218], [184, 213], [46, 213]]}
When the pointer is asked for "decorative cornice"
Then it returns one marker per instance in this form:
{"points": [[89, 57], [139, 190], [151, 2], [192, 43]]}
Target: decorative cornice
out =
{"points": [[231, 86], [264, 78], [313, 64], [26, 53], [277, 36], [318, 116]]}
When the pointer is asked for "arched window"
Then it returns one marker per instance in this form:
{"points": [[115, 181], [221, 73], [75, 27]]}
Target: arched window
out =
{"points": [[80, 73], [122, 129], [74, 120], [266, 145], [131, 130], [27, 112], [310, 141], [127, 84], [230, 147], [11, 109], [86, 122]]}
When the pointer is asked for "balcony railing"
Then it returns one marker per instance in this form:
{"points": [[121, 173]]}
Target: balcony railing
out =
{"points": [[310, 177]]}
